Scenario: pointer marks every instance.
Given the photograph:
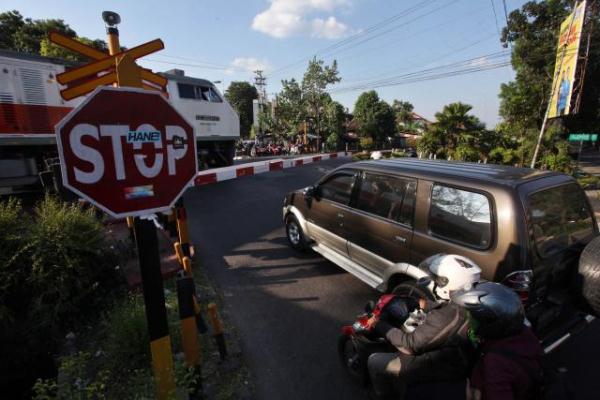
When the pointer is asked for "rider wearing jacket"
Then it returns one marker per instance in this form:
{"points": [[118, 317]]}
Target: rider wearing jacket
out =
{"points": [[438, 349], [509, 367]]}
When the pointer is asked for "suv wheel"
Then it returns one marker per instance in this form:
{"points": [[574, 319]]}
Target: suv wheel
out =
{"points": [[589, 270], [411, 289], [295, 234]]}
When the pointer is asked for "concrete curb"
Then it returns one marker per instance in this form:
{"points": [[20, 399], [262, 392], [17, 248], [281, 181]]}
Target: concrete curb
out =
{"points": [[226, 173]]}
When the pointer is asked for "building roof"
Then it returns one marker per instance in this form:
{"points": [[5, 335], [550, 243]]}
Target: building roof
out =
{"points": [[499, 174]]}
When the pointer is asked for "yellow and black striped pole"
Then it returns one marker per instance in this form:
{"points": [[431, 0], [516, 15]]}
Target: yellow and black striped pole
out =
{"points": [[182, 228], [156, 312], [187, 268], [217, 330], [189, 331]]}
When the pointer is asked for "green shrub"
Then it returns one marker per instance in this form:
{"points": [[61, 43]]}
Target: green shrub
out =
{"points": [[57, 272], [398, 154], [331, 143], [366, 143], [589, 182], [465, 153], [363, 155], [13, 230]]}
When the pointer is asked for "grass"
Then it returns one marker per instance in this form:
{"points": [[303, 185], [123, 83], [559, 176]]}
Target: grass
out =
{"points": [[112, 359]]}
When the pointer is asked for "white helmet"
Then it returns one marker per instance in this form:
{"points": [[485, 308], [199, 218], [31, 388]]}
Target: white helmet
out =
{"points": [[451, 272]]}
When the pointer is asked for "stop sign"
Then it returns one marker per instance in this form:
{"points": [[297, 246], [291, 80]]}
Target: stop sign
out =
{"points": [[127, 151]]}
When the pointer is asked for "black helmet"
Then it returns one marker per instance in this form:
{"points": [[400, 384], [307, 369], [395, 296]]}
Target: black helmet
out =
{"points": [[496, 309]]}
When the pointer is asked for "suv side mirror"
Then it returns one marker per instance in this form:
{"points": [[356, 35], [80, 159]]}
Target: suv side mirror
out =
{"points": [[310, 192], [369, 307]]}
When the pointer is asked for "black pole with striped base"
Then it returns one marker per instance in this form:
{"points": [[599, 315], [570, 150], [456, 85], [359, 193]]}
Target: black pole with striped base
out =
{"points": [[182, 228], [156, 312], [189, 332]]}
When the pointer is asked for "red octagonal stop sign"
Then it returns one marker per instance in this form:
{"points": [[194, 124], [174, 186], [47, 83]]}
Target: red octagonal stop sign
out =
{"points": [[126, 150]]}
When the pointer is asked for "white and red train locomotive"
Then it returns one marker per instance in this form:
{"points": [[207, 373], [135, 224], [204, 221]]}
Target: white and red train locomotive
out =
{"points": [[30, 107]]}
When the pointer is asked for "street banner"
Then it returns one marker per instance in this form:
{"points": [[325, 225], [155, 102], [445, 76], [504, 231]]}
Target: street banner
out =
{"points": [[566, 62]]}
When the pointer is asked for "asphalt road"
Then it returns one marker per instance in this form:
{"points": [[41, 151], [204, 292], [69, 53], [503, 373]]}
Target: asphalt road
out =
{"points": [[289, 306]]}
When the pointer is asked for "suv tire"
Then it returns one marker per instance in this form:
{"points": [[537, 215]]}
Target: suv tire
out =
{"points": [[411, 289], [589, 270], [295, 234]]}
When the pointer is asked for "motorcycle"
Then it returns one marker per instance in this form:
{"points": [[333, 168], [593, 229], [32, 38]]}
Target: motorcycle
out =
{"points": [[359, 340]]}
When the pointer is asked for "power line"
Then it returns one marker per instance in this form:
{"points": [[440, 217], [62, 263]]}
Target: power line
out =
{"points": [[440, 75], [495, 17], [436, 58], [199, 65], [396, 42], [366, 31], [394, 28]]}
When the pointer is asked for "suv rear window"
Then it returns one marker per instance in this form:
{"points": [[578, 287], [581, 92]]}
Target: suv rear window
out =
{"points": [[460, 216], [560, 217]]}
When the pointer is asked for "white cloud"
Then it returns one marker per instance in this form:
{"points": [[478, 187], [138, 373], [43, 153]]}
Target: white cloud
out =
{"points": [[285, 18], [330, 28], [248, 64]]}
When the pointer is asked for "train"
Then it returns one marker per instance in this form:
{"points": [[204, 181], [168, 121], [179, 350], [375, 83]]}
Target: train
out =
{"points": [[31, 105]]}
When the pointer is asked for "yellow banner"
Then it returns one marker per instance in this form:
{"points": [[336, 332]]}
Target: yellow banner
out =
{"points": [[566, 62]]}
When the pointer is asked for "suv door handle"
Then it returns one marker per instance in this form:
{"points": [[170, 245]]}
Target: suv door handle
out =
{"points": [[340, 215], [400, 239]]}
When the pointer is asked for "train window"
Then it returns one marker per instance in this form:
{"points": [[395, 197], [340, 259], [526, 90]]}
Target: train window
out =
{"points": [[186, 91], [206, 93]]}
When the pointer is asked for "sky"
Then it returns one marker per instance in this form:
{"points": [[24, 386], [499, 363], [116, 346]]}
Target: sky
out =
{"points": [[375, 42]]}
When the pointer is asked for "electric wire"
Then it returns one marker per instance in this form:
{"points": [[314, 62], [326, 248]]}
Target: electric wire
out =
{"points": [[348, 41]]}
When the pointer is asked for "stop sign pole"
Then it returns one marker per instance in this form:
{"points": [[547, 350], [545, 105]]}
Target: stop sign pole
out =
{"points": [[149, 261], [140, 186]]}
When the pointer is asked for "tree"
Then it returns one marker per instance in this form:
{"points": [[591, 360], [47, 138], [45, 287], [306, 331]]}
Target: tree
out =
{"points": [[11, 22], [316, 79], [375, 117], [403, 112], [240, 95], [457, 134], [31, 36], [290, 109], [334, 116]]}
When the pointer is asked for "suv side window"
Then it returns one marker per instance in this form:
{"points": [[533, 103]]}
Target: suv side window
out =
{"points": [[388, 197], [337, 188], [460, 215]]}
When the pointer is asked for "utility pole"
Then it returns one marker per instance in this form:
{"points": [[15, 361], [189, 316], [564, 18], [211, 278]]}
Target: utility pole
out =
{"points": [[260, 82]]}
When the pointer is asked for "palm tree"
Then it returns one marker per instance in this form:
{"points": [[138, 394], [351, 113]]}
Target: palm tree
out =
{"points": [[454, 121]]}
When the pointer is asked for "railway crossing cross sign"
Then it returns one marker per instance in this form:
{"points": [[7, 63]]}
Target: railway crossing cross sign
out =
{"points": [[127, 151], [105, 68]]}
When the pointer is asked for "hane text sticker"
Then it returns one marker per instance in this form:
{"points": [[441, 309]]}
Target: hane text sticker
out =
{"points": [[143, 136]]}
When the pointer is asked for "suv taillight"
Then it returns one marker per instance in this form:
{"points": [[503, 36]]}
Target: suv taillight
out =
{"points": [[520, 282]]}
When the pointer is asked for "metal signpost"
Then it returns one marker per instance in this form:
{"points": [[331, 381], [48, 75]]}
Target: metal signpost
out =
{"points": [[582, 137], [130, 153]]}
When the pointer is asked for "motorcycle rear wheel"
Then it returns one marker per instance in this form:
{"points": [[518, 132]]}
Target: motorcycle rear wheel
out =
{"points": [[352, 362]]}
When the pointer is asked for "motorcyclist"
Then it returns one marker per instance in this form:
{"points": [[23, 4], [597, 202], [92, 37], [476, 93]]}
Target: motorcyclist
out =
{"points": [[509, 365], [436, 350]]}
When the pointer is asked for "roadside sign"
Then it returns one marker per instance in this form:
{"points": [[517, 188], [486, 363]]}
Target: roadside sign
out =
{"points": [[585, 137], [127, 151]]}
